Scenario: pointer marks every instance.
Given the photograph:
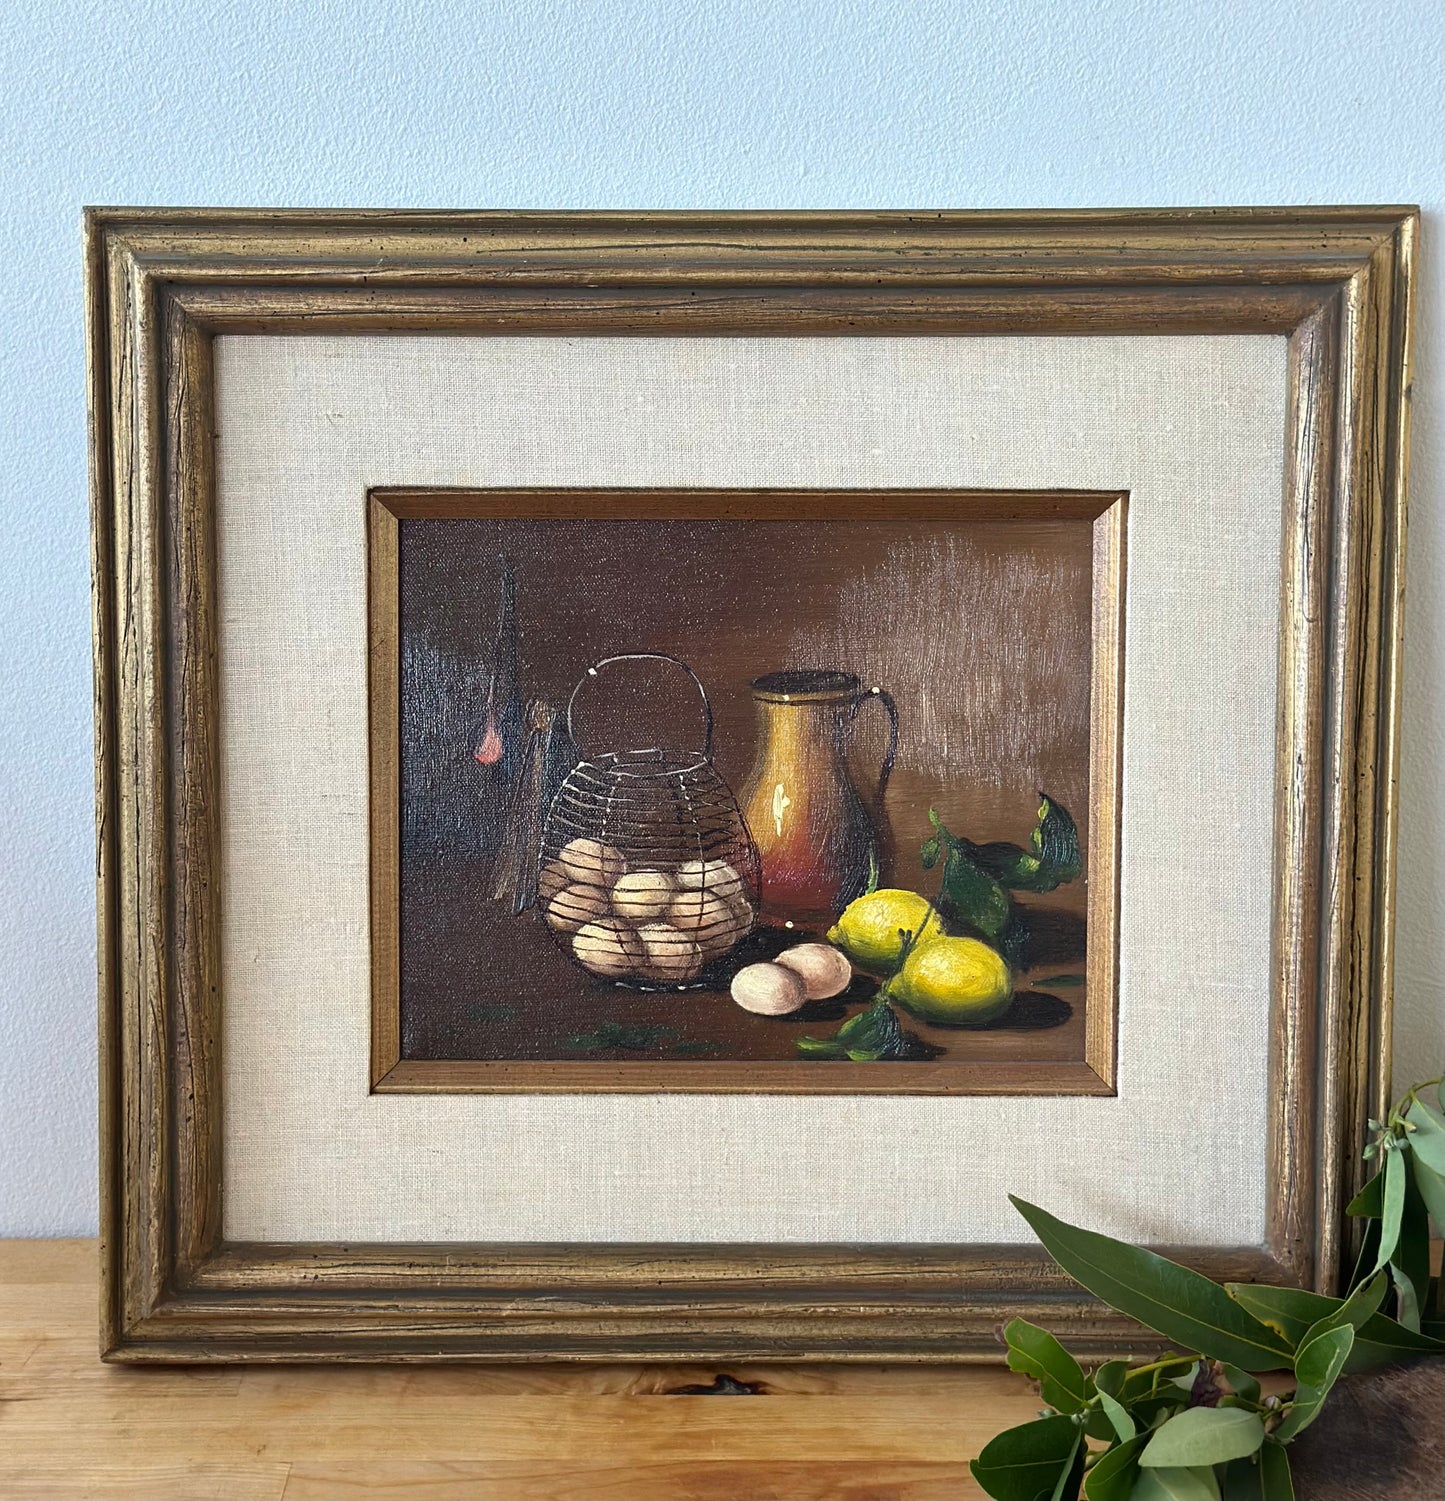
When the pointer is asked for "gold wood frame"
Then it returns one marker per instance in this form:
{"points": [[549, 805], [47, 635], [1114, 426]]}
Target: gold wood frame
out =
{"points": [[161, 284], [1092, 1074]]}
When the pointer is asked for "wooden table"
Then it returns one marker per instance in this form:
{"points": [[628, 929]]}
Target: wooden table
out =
{"points": [[72, 1427]]}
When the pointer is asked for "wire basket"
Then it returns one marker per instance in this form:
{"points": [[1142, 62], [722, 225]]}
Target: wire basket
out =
{"points": [[648, 875]]}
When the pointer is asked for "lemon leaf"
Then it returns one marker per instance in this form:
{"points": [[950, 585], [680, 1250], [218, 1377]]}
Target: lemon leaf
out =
{"points": [[1056, 842], [1293, 1311], [1181, 1304], [1369, 1203], [1319, 1362], [1037, 1354], [1024, 1463], [1203, 1436], [872, 1035], [1426, 1135], [1262, 1476], [1116, 1473], [970, 895], [1393, 1208]]}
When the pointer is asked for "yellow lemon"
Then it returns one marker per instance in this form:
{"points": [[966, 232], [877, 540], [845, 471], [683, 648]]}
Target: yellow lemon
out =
{"points": [[870, 929], [954, 982]]}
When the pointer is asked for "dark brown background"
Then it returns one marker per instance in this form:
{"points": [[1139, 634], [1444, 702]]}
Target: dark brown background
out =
{"points": [[981, 629]]}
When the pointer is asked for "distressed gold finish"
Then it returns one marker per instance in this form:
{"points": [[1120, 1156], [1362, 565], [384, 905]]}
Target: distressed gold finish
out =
{"points": [[162, 283]]}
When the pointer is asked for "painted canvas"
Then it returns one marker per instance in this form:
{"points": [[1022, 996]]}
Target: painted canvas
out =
{"points": [[726, 788]]}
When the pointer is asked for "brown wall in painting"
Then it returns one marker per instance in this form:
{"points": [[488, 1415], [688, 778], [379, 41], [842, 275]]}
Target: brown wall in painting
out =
{"points": [[980, 630]]}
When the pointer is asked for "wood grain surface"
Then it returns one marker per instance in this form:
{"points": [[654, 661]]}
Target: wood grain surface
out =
{"points": [[74, 1427]]}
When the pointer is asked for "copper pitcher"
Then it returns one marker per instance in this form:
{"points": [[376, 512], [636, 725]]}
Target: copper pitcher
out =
{"points": [[817, 839]]}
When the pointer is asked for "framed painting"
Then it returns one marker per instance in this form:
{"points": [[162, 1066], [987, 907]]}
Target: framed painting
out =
{"points": [[632, 754], [652, 768]]}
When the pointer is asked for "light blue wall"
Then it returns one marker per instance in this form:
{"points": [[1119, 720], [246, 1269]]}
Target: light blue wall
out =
{"points": [[616, 103]]}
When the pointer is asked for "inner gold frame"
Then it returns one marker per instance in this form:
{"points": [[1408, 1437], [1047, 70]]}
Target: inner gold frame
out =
{"points": [[162, 284], [1094, 1074]]}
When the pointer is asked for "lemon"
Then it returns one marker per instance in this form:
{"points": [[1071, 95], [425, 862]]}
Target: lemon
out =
{"points": [[954, 982], [871, 929]]}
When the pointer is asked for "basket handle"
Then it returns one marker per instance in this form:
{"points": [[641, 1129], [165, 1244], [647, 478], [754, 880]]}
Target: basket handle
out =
{"points": [[646, 656]]}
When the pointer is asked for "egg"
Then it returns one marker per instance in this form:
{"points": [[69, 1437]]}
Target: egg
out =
{"points": [[711, 919], [642, 896], [574, 906], [608, 948], [742, 908], [768, 989], [667, 954], [593, 863], [710, 875], [823, 970]]}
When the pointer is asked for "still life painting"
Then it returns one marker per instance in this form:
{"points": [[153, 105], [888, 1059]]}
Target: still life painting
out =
{"points": [[728, 790]]}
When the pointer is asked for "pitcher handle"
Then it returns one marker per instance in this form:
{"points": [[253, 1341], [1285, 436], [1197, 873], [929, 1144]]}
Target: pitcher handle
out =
{"points": [[886, 699], [651, 656]]}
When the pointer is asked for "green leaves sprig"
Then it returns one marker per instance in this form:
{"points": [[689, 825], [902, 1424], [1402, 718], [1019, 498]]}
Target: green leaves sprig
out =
{"points": [[1405, 1194], [1195, 1426], [978, 878], [871, 1036]]}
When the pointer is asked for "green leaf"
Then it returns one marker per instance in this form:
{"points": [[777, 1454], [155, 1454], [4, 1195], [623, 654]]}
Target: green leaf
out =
{"points": [[1291, 1311], [1149, 1412], [1355, 1311], [1203, 1436], [970, 895], [1369, 1203], [636, 1039], [1183, 1306], [1009, 864], [1317, 1364], [871, 1035], [1241, 1383], [1410, 1265], [1108, 1381], [1198, 1484], [1431, 1187], [1274, 1472], [1066, 1487], [1407, 1300], [1059, 982], [1427, 1157], [1427, 1140], [1114, 1474], [1369, 1244], [1034, 1352], [1118, 1415], [1260, 1477], [1393, 1208], [1138, 1381], [1023, 1463], [1056, 842], [1051, 859]]}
